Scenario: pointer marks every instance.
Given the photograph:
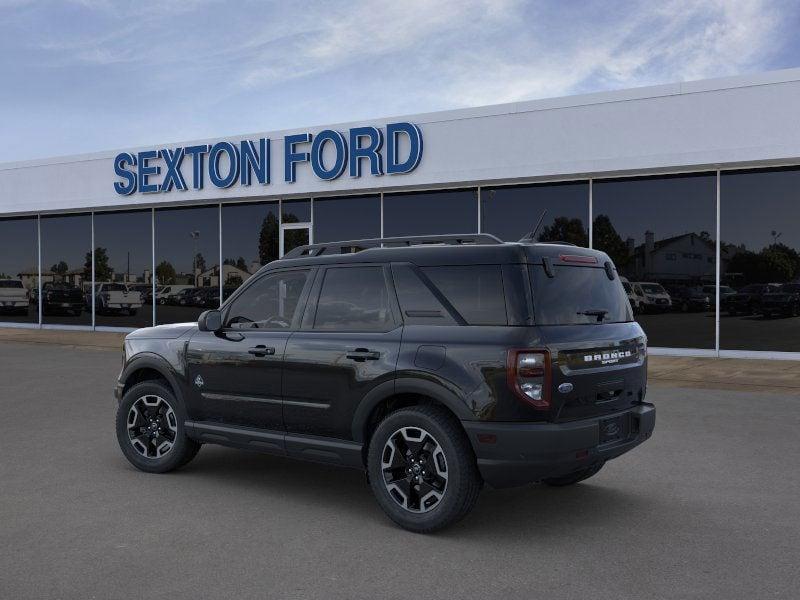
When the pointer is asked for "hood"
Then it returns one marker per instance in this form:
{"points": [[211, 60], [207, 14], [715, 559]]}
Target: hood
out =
{"points": [[163, 332]]}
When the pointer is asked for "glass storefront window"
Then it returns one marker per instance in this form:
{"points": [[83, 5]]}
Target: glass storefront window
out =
{"points": [[347, 218], [760, 260], [123, 266], [249, 241], [19, 270], [187, 262], [659, 231], [296, 211], [430, 213], [67, 269], [512, 212]]}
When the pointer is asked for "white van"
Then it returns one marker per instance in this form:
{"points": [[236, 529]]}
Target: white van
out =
{"points": [[654, 297]]}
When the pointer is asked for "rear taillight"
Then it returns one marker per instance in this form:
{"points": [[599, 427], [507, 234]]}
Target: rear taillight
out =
{"points": [[528, 373]]}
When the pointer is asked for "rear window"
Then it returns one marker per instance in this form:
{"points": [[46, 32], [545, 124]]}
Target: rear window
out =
{"points": [[577, 296], [10, 283], [653, 288], [475, 291]]}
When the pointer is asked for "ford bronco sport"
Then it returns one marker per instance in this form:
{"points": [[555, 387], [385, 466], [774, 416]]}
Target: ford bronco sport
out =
{"points": [[435, 364]]}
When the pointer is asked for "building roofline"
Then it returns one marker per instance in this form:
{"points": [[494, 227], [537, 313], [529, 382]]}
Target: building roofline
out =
{"points": [[545, 104]]}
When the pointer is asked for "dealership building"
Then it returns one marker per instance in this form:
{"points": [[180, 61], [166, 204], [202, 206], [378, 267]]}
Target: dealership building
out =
{"points": [[692, 188]]}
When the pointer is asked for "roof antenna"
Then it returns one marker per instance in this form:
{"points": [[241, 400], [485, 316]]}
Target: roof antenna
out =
{"points": [[529, 237]]}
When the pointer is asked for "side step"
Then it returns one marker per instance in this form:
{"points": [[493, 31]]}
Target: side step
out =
{"points": [[305, 447]]}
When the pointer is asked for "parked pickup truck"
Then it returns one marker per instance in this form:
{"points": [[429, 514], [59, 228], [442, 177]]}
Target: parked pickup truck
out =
{"points": [[63, 298], [113, 298], [14, 298]]}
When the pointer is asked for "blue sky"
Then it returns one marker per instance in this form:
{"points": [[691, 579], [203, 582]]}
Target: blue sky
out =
{"points": [[89, 75]]}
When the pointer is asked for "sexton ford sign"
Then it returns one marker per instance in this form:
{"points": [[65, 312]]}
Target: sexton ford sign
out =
{"points": [[225, 164]]}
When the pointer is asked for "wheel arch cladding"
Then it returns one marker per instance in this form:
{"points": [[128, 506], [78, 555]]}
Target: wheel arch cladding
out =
{"points": [[393, 395], [149, 368]]}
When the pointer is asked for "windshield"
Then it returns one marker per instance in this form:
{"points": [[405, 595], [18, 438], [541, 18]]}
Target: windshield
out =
{"points": [[577, 296], [652, 288], [10, 283]]}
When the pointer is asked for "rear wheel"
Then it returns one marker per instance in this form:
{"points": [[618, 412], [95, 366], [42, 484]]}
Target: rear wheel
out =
{"points": [[150, 428], [422, 469], [573, 478]]}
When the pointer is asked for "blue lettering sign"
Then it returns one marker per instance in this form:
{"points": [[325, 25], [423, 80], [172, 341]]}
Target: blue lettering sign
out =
{"points": [[340, 149], [393, 132], [128, 186], [225, 163]]}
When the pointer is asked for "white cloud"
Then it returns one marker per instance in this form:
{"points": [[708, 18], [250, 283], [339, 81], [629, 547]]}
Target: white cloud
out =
{"points": [[658, 43]]}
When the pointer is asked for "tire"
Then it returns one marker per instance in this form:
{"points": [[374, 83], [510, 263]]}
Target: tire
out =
{"points": [[153, 396], [453, 460], [573, 478]]}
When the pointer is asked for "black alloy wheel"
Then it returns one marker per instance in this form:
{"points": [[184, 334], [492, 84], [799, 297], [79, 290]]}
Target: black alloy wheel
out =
{"points": [[414, 469]]}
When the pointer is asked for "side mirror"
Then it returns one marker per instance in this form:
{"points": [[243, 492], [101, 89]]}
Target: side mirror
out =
{"points": [[210, 320]]}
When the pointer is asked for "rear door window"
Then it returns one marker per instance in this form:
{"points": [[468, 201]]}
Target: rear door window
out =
{"points": [[578, 295], [475, 291], [354, 299]]}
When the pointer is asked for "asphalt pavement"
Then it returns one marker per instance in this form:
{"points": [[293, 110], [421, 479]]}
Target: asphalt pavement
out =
{"points": [[708, 508]]}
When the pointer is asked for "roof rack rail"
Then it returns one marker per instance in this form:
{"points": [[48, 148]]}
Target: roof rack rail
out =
{"points": [[352, 246], [557, 243]]}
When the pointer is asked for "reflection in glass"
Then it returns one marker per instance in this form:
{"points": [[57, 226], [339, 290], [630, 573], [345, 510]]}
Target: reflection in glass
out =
{"points": [[187, 262], [249, 240], [350, 218], [430, 213], [760, 260], [66, 269], [658, 232], [19, 270], [123, 265], [292, 238], [512, 212], [296, 211]]}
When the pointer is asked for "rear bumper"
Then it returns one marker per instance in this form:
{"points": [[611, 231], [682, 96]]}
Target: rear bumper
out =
{"points": [[528, 452]]}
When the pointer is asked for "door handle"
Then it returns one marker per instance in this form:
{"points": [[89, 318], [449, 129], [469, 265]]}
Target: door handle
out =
{"points": [[261, 350], [362, 354]]}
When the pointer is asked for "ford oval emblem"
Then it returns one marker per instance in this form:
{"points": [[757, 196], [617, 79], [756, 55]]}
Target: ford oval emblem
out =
{"points": [[565, 388]]}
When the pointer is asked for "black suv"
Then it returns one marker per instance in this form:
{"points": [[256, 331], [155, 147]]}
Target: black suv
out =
{"points": [[435, 364]]}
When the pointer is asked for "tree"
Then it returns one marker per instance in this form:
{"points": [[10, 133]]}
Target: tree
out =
{"points": [[565, 229], [59, 268], [200, 262], [241, 263], [606, 238], [165, 273], [775, 263], [268, 240], [234, 280], [102, 270]]}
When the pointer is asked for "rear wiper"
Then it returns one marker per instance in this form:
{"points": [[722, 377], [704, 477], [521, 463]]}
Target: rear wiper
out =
{"points": [[594, 312]]}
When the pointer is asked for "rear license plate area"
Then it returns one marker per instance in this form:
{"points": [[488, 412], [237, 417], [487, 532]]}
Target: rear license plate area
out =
{"points": [[613, 429]]}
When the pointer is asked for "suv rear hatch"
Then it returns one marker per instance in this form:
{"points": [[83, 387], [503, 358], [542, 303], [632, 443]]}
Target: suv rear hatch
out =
{"points": [[597, 351]]}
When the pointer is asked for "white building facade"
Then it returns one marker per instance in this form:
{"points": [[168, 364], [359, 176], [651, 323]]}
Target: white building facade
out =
{"points": [[686, 185]]}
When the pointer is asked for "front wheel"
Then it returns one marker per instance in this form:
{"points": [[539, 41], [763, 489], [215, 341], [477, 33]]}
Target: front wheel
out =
{"points": [[422, 469], [150, 428]]}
